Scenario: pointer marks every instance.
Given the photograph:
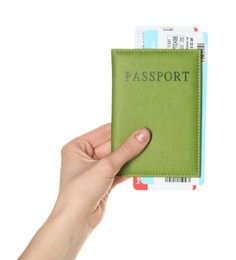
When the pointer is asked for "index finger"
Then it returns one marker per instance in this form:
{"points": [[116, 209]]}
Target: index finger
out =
{"points": [[98, 136]]}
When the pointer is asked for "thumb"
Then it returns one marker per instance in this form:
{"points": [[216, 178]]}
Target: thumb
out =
{"points": [[133, 146]]}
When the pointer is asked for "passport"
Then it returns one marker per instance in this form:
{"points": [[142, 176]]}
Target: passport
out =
{"points": [[159, 89]]}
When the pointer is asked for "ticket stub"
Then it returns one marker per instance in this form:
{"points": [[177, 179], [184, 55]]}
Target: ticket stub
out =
{"points": [[175, 38], [161, 185]]}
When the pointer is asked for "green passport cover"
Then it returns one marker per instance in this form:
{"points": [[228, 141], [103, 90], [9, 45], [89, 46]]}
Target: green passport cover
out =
{"points": [[161, 90]]}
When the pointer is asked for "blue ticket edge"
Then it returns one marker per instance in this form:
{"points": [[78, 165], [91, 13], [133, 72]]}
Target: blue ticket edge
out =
{"points": [[151, 42], [204, 94]]}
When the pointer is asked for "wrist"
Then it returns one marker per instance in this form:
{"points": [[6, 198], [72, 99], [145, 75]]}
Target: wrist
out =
{"points": [[76, 208], [75, 221]]}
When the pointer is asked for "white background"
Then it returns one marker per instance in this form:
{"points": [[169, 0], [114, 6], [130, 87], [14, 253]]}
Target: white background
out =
{"points": [[55, 84]]}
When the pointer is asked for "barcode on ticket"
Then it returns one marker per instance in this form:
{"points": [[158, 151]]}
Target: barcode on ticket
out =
{"points": [[177, 179], [202, 47]]}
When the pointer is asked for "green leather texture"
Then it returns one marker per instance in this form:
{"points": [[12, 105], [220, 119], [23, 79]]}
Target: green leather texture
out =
{"points": [[158, 89]]}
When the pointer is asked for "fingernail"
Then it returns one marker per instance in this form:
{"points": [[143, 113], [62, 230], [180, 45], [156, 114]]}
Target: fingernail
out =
{"points": [[142, 135]]}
